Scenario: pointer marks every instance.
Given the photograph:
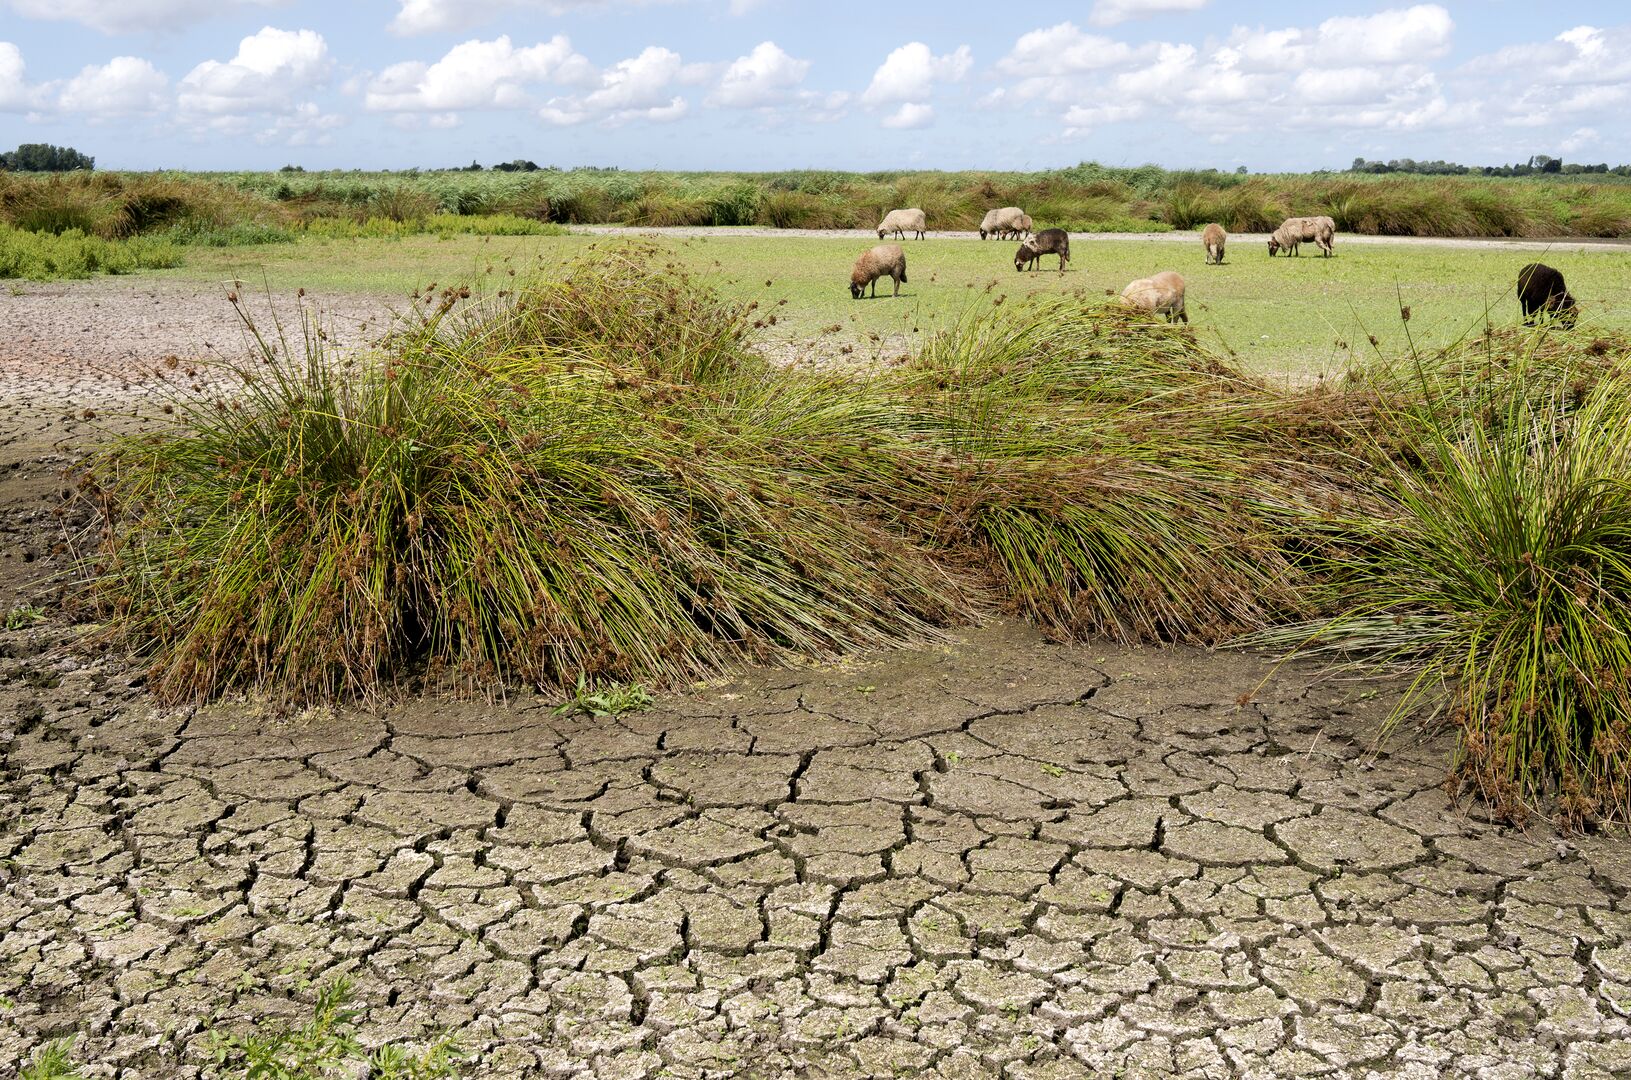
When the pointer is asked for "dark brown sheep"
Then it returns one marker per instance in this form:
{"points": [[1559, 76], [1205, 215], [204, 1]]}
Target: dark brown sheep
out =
{"points": [[1046, 242], [1541, 292]]}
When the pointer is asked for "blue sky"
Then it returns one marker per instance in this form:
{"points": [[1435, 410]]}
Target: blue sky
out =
{"points": [[773, 84]]}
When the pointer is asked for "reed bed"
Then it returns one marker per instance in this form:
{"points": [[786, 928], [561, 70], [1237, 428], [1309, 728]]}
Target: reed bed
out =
{"points": [[1084, 198]]}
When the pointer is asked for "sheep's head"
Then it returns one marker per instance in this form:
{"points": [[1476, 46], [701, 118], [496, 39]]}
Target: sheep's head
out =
{"points": [[881, 232], [1026, 252], [855, 290], [1566, 311], [1274, 247]]}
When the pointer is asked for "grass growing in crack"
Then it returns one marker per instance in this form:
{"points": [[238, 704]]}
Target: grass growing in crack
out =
{"points": [[52, 1061], [326, 1046], [604, 699], [23, 616]]}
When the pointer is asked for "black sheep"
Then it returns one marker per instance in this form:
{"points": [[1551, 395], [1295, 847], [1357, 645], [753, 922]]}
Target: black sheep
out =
{"points": [[1541, 292]]}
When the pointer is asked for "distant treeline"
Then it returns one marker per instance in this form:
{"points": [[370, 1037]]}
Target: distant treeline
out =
{"points": [[1539, 165], [43, 157]]}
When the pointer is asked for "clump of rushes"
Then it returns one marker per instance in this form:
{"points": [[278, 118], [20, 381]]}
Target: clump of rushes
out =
{"points": [[498, 505], [1115, 476], [1496, 573], [628, 306]]}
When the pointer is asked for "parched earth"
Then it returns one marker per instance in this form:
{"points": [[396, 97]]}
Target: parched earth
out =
{"points": [[1003, 858]]}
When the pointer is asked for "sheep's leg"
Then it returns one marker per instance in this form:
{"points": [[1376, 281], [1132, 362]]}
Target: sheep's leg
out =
{"points": [[1063, 260], [897, 283]]}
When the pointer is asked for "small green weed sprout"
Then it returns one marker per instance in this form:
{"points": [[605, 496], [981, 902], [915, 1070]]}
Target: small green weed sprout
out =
{"points": [[322, 1046], [605, 699], [23, 616], [52, 1061]]}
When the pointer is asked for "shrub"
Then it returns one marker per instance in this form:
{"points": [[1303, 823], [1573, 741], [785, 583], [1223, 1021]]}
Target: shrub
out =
{"points": [[45, 257]]}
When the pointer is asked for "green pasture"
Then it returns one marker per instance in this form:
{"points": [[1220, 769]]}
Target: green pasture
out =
{"points": [[1305, 315]]}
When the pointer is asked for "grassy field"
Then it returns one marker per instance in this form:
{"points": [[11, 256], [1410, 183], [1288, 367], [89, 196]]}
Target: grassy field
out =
{"points": [[1304, 316]]}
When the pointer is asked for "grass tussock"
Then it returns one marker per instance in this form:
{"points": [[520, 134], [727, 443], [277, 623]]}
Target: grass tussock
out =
{"points": [[1114, 476], [594, 482], [504, 514], [1493, 567]]}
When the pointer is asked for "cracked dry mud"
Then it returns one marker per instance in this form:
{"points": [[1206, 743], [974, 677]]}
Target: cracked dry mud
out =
{"points": [[1002, 858]]}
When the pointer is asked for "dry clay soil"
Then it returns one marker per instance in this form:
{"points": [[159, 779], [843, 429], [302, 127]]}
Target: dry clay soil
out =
{"points": [[1000, 858]]}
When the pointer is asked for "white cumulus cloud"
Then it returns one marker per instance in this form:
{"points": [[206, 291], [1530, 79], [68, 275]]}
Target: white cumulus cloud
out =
{"points": [[1064, 49], [910, 115], [434, 16], [478, 75], [305, 125], [13, 84], [910, 72], [129, 16], [1111, 12], [124, 85], [1388, 37], [272, 67], [764, 77], [639, 88]]}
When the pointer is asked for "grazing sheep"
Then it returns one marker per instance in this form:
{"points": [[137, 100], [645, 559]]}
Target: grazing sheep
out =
{"points": [[1162, 294], [1541, 293], [885, 260], [1046, 242], [901, 222], [1213, 239], [1303, 230], [1004, 222], [1286, 238]]}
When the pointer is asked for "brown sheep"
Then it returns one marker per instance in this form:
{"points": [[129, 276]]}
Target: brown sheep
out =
{"points": [[1046, 242], [885, 260], [1162, 294], [1213, 239]]}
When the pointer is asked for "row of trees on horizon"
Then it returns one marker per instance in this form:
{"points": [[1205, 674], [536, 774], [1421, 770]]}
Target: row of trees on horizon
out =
{"points": [[44, 157]]}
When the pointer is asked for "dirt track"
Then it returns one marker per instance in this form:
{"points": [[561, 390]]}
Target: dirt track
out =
{"points": [[1192, 239], [1004, 859]]}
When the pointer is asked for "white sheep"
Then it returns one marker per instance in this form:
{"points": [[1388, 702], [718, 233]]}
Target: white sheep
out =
{"points": [[901, 222], [1004, 222], [1214, 239], [885, 260], [1162, 294]]}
